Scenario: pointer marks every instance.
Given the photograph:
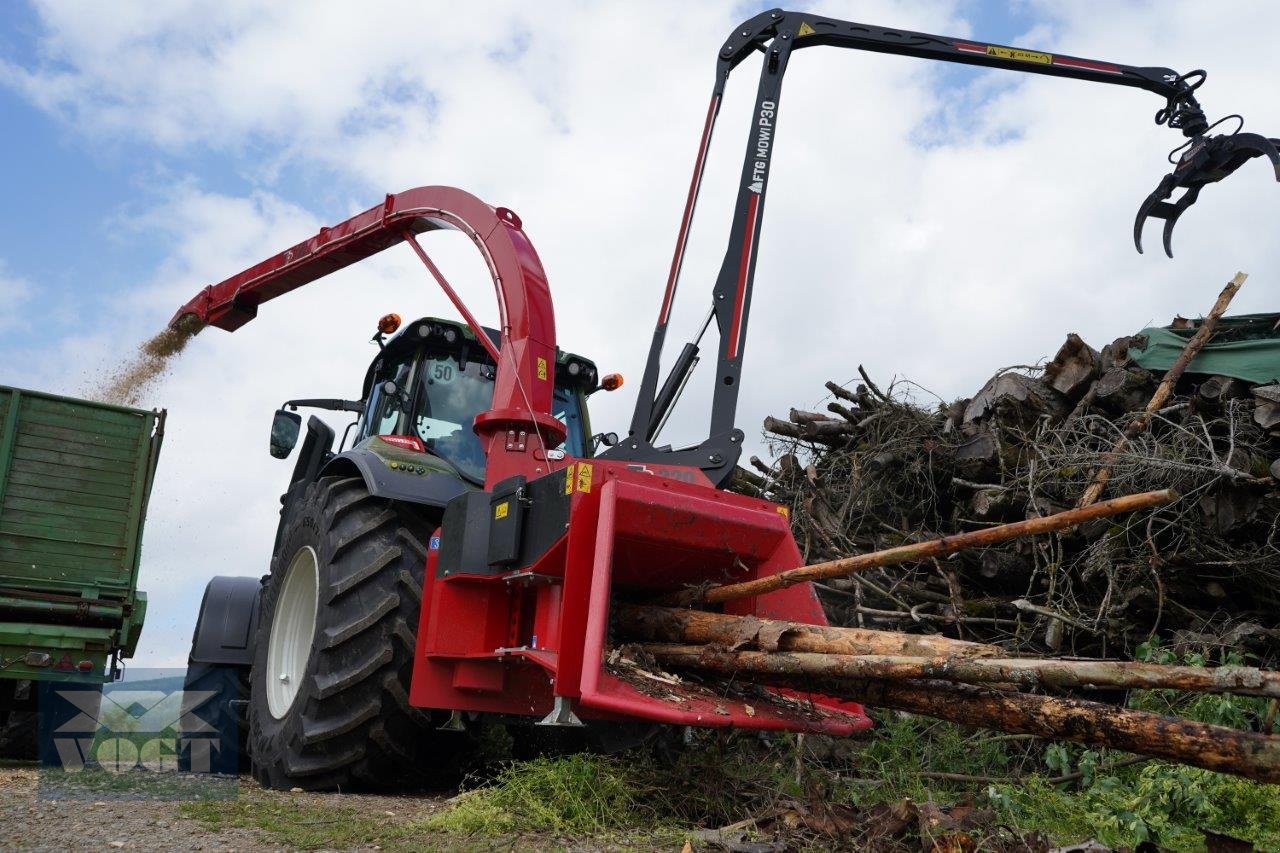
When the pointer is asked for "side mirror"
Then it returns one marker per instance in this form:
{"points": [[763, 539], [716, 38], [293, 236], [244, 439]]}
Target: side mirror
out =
{"points": [[285, 427], [608, 439]]}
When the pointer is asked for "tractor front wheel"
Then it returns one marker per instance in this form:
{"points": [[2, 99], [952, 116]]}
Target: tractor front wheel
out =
{"points": [[329, 706]]}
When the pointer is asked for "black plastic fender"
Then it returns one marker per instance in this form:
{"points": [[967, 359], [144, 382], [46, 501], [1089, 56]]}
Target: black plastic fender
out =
{"points": [[430, 489], [228, 622]]}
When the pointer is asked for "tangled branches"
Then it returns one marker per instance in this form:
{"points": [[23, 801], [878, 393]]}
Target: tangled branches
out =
{"points": [[883, 469]]}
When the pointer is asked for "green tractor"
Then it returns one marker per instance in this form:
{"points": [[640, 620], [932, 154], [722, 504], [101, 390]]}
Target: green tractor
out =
{"points": [[311, 663]]}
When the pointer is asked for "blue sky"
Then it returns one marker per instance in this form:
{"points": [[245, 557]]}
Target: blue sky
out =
{"points": [[927, 221], [70, 193]]}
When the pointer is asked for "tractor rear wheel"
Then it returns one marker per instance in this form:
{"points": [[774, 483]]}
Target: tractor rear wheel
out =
{"points": [[329, 705]]}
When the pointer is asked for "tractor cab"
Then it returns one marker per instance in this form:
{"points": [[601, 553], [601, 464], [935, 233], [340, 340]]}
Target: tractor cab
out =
{"points": [[433, 377], [419, 401]]}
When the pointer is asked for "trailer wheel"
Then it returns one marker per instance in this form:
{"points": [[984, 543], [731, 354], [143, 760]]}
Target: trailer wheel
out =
{"points": [[18, 735], [215, 698], [329, 705]]}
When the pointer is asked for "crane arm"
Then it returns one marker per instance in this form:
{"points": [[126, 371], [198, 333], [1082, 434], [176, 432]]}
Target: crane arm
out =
{"points": [[776, 34]]}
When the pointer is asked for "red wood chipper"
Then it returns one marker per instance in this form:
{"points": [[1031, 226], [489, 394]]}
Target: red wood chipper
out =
{"points": [[456, 556]]}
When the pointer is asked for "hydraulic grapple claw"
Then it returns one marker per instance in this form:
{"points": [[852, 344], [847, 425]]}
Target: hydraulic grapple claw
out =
{"points": [[1208, 160]]}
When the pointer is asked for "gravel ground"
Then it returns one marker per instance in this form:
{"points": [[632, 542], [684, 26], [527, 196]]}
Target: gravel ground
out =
{"points": [[29, 822]]}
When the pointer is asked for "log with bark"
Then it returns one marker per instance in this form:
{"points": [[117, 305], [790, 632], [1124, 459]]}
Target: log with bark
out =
{"points": [[1226, 750], [926, 550]]}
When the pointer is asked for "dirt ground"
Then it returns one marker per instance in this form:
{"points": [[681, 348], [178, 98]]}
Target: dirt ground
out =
{"points": [[29, 822]]}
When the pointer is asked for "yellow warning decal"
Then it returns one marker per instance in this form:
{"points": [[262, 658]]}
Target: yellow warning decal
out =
{"points": [[1020, 55], [784, 511], [500, 511], [568, 480], [805, 30], [584, 477], [542, 368]]}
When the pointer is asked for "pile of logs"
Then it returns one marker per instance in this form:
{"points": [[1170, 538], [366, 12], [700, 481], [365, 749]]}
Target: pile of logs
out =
{"points": [[962, 682], [880, 469]]}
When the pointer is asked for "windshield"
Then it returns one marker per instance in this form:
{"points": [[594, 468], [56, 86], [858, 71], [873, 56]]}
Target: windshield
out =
{"points": [[449, 398]]}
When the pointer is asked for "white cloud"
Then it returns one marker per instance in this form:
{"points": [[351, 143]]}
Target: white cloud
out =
{"points": [[15, 293], [938, 261]]}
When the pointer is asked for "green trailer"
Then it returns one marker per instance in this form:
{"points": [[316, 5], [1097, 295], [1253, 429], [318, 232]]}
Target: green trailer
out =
{"points": [[75, 478]]}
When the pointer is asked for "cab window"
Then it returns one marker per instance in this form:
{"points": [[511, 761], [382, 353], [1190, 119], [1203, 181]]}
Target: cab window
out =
{"points": [[382, 414], [564, 405], [449, 397]]}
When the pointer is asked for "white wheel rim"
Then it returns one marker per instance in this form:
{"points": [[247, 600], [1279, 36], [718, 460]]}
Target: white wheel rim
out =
{"points": [[293, 628]]}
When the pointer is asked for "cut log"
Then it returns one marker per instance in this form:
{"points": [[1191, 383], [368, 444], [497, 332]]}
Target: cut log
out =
{"points": [[1218, 390], [1266, 406], [978, 457], [853, 416], [997, 504], [1016, 396], [932, 548], [1226, 750], [1116, 353], [1171, 377], [798, 416], [1124, 389], [841, 392], [677, 625], [1073, 368], [1016, 672], [825, 432]]}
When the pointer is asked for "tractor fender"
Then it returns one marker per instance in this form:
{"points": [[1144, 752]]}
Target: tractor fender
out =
{"points": [[227, 622], [432, 489]]}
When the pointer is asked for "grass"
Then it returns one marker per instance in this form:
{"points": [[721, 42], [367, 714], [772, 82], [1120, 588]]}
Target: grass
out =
{"points": [[636, 801], [642, 801]]}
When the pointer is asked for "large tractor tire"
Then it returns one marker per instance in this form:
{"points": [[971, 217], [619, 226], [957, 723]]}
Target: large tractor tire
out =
{"points": [[329, 706]]}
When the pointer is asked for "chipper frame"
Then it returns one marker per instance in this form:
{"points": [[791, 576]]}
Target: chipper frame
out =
{"points": [[520, 575]]}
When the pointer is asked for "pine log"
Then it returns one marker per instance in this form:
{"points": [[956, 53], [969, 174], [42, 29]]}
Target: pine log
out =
{"points": [[917, 551], [799, 416], [1188, 354], [1226, 750], [853, 416], [826, 432], [841, 392], [1017, 672], [677, 625]]}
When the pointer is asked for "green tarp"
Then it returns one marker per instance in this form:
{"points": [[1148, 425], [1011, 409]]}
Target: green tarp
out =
{"points": [[1246, 347]]}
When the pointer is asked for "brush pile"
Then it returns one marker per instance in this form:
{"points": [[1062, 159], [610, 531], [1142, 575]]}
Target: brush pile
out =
{"points": [[973, 575], [879, 469]]}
